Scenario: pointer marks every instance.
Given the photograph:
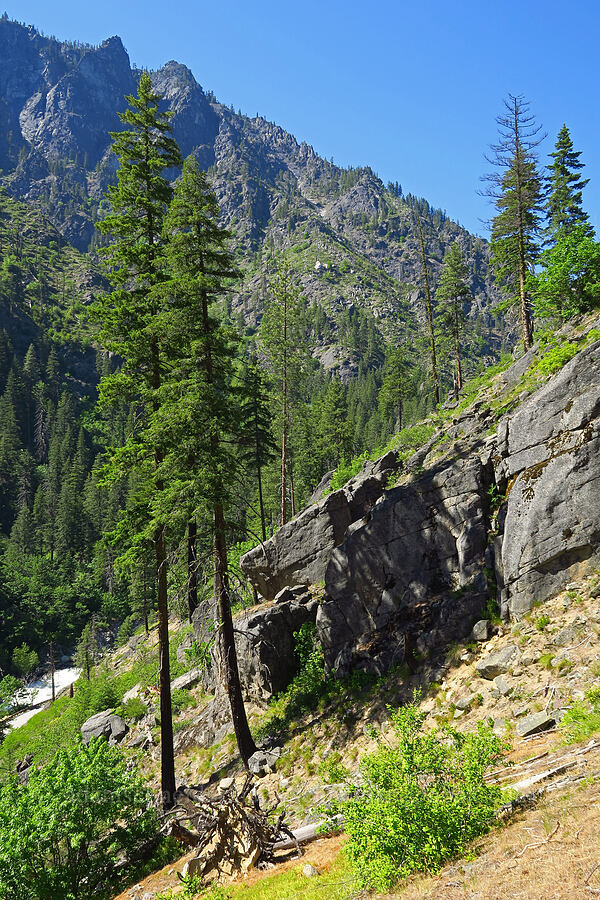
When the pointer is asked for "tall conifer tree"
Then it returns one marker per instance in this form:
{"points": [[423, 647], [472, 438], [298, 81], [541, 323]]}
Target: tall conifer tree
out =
{"points": [[565, 187], [452, 290], [200, 416], [516, 190], [129, 327]]}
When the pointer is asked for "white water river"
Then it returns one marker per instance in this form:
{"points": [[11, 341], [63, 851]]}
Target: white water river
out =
{"points": [[40, 691]]}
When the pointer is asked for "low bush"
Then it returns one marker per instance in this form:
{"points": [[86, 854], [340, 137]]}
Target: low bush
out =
{"points": [[62, 833], [582, 719], [422, 800]]}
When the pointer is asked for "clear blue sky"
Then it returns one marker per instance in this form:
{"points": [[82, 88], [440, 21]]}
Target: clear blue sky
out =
{"points": [[409, 87]]}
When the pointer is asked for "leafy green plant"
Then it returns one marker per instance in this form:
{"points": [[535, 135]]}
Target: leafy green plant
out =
{"points": [[61, 833], [582, 719], [423, 798], [310, 688], [555, 357], [133, 708], [332, 768], [541, 622], [181, 700]]}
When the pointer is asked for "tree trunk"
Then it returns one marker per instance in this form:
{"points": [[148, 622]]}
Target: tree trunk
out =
{"points": [[284, 387], [261, 504], [52, 670], [526, 325], [292, 491], [259, 471], [429, 311], [167, 756], [283, 473], [244, 738], [459, 378], [192, 561]]}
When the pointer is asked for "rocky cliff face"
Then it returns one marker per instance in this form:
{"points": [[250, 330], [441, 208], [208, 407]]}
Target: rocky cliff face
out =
{"points": [[353, 241], [547, 460], [419, 566]]}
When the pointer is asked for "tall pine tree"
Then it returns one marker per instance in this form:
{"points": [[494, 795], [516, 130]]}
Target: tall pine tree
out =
{"points": [[200, 415], [129, 327], [565, 186], [452, 290], [516, 190]]}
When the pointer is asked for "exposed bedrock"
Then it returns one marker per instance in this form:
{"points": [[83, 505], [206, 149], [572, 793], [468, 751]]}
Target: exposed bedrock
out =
{"points": [[397, 576], [548, 458], [300, 551], [407, 569], [264, 639]]}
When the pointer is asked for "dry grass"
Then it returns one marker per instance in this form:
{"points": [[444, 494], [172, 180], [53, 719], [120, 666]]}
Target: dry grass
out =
{"points": [[547, 853]]}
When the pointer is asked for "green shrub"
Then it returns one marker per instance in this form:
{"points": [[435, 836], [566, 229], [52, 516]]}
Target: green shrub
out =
{"points": [[61, 834], [541, 622], [198, 655], [127, 630], [582, 719], [310, 687], [422, 800], [133, 708], [181, 700], [24, 660], [333, 770], [555, 357]]}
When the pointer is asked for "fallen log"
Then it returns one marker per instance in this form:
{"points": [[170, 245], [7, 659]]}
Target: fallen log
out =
{"points": [[308, 833]]}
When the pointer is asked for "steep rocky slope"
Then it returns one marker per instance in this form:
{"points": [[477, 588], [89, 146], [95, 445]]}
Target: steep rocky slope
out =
{"points": [[500, 505]]}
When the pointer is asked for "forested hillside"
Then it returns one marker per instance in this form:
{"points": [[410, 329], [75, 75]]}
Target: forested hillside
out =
{"points": [[279, 445], [360, 367]]}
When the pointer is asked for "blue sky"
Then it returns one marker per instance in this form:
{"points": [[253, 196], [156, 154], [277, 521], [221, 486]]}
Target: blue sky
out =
{"points": [[410, 88]]}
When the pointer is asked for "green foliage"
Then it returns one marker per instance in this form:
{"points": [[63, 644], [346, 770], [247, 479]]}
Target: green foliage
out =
{"points": [[11, 695], [347, 470], [541, 622], [310, 688], [406, 441], [569, 280], [133, 708], [332, 769], [61, 834], [517, 193], [555, 356], [127, 629], [582, 719], [180, 700], [24, 660], [564, 204], [423, 798]]}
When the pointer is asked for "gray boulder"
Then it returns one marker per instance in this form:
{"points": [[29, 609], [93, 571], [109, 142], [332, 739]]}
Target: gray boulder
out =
{"points": [[481, 630], [535, 723], [502, 686], [498, 663], [263, 762], [187, 680], [265, 643], [104, 724]]}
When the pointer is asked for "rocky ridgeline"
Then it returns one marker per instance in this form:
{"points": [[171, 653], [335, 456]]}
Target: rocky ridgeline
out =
{"points": [[356, 242], [403, 571]]}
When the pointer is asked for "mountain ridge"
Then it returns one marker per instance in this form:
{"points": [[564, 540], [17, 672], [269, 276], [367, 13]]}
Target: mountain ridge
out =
{"points": [[351, 239]]}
